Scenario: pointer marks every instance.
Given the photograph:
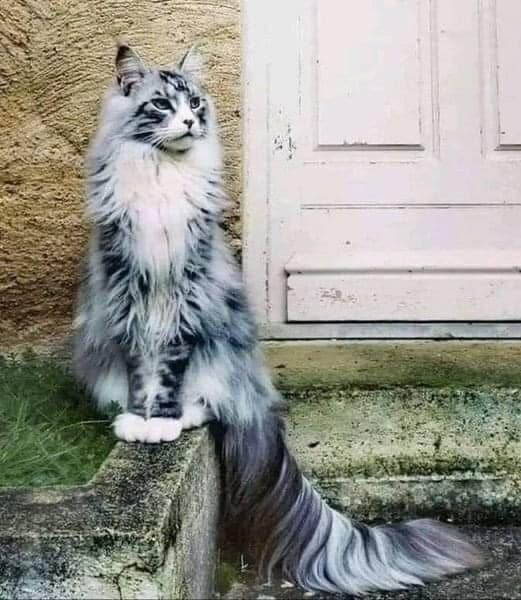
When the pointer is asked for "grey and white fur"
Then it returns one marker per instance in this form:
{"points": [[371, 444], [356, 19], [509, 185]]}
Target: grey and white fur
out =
{"points": [[163, 328]]}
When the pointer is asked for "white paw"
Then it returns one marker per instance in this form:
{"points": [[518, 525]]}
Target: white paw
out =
{"points": [[133, 428], [130, 428], [160, 429], [195, 415]]}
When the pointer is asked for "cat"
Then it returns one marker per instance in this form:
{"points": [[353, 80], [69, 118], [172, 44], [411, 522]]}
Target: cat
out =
{"points": [[164, 330]]}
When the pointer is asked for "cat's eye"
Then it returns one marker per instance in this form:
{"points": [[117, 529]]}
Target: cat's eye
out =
{"points": [[195, 102], [161, 104]]}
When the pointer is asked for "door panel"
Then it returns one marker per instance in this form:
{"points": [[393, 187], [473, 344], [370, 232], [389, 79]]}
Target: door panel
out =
{"points": [[368, 93], [380, 296], [508, 53]]}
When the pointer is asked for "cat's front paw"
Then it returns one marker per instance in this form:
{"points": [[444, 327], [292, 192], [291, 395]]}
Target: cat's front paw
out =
{"points": [[133, 428], [160, 429]]}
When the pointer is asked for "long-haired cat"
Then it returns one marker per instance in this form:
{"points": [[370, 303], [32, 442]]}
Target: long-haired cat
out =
{"points": [[163, 329]]}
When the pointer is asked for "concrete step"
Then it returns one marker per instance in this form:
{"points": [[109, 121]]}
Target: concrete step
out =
{"points": [[500, 578], [396, 430], [369, 365], [450, 453]]}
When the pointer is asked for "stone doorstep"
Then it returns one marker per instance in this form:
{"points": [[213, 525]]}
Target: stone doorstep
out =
{"points": [[144, 527], [332, 389], [386, 364], [400, 429], [396, 453], [473, 499]]}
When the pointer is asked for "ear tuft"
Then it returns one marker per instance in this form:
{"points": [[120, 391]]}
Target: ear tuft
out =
{"points": [[192, 64], [129, 68]]}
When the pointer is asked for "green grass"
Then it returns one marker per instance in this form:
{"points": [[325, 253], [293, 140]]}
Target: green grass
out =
{"points": [[49, 434]]}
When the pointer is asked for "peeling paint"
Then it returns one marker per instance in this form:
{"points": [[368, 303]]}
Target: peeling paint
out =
{"points": [[291, 144], [278, 143], [337, 295]]}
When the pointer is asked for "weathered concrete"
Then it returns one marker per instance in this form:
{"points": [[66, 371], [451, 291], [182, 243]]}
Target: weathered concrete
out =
{"points": [[392, 430], [333, 365], [499, 579], [450, 453], [57, 59], [416, 431], [145, 527]]}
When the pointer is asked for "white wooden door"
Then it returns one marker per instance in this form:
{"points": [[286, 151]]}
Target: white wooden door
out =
{"points": [[383, 163]]}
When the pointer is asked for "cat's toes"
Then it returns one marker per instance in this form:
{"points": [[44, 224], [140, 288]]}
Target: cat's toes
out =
{"points": [[130, 427], [161, 429], [133, 428]]}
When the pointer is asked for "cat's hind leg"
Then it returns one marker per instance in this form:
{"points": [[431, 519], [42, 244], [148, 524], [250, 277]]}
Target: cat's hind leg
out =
{"points": [[196, 414], [111, 386], [104, 373], [98, 362]]}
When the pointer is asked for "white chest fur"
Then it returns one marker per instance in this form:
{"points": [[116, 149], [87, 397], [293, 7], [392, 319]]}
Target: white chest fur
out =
{"points": [[155, 194]]}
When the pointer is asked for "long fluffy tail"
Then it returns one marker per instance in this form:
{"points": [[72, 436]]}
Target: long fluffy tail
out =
{"points": [[313, 545]]}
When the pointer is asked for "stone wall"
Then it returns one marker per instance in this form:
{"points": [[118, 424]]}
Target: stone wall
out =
{"points": [[57, 57], [145, 527]]}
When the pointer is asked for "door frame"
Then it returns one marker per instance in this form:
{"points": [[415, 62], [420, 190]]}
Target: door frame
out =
{"points": [[256, 207]]}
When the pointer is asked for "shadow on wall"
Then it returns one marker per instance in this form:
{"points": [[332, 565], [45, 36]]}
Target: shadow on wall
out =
{"points": [[57, 62]]}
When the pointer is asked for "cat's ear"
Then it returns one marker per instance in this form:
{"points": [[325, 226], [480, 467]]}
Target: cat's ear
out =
{"points": [[192, 65], [129, 68]]}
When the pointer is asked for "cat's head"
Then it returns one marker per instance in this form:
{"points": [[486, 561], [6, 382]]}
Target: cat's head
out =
{"points": [[166, 108]]}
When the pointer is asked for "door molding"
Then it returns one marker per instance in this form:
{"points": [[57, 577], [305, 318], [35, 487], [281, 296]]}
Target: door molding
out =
{"points": [[510, 330], [256, 159]]}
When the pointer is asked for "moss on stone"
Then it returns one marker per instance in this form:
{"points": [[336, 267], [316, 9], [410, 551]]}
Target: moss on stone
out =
{"points": [[381, 433], [145, 526], [305, 365], [226, 574], [397, 430]]}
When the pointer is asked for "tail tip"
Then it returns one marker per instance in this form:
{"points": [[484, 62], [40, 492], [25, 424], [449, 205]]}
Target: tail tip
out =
{"points": [[455, 542]]}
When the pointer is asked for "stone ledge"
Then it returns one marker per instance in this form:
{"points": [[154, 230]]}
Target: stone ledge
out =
{"points": [[144, 527], [467, 498], [411, 452], [386, 364], [404, 429], [412, 431]]}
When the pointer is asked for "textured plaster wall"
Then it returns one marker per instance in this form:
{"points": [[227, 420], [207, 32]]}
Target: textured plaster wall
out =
{"points": [[56, 58]]}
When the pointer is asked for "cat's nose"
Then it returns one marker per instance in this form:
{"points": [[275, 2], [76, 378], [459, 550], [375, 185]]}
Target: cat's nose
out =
{"points": [[188, 123]]}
